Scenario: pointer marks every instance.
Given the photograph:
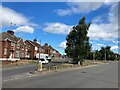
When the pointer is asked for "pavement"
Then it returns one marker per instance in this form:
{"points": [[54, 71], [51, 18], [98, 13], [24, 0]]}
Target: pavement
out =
{"points": [[100, 76]]}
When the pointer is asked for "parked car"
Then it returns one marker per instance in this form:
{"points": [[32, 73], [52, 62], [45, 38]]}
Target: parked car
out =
{"points": [[43, 57], [44, 61]]}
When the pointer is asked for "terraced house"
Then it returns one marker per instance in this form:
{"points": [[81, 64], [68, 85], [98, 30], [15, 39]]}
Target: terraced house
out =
{"points": [[34, 48], [13, 48]]}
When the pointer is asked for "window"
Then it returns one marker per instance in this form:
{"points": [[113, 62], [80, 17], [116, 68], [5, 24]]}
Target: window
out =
{"points": [[17, 54], [12, 43], [36, 48], [22, 47], [5, 51], [22, 55], [18, 46]]}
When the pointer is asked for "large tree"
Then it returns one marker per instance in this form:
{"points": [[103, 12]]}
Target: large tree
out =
{"points": [[78, 42]]}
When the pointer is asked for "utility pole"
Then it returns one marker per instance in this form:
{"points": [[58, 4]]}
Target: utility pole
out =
{"points": [[39, 51], [105, 54], [93, 55], [39, 61]]}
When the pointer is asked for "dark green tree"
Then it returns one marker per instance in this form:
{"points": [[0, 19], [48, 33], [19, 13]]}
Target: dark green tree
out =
{"points": [[78, 46], [110, 55]]}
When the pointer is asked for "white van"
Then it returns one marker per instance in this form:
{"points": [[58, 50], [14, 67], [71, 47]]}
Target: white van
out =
{"points": [[43, 57]]}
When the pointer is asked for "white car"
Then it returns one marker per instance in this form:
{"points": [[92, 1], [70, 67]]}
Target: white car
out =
{"points": [[43, 61], [43, 57]]}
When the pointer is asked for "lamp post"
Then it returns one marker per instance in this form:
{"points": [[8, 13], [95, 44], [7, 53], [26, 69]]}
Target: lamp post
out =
{"points": [[39, 51], [39, 61], [93, 55], [105, 54]]}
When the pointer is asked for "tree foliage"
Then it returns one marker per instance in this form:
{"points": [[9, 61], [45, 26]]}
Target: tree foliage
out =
{"points": [[78, 46], [106, 53]]}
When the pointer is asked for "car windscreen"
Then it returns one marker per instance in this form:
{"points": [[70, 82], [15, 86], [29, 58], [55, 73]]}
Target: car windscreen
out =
{"points": [[42, 59], [46, 56]]}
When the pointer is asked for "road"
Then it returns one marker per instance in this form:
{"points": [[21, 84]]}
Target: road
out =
{"points": [[101, 76], [20, 70]]}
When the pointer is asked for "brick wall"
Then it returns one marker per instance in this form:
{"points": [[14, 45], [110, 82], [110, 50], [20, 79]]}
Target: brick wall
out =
{"points": [[31, 49]]}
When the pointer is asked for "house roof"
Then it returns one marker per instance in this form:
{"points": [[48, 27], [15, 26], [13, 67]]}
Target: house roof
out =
{"points": [[34, 43], [5, 35], [51, 47], [18, 38]]}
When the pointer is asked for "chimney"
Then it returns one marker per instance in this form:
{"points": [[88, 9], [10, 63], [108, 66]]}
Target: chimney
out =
{"points": [[10, 32], [46, 44], [35, 40]]}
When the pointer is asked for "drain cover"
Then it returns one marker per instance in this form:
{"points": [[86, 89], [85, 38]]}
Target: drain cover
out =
{"points": [[83, 72]]}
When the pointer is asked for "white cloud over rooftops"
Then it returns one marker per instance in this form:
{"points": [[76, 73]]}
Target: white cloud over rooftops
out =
{"points": [[26, 29], [57, 28]]}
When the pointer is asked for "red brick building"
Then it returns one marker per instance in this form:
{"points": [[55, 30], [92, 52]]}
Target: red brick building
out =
{"points": [[13, 48], [34, 48], [20, 49], [46, 49], [51, 51]]}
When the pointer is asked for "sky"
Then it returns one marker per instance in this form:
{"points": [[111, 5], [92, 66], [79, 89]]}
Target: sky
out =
{"points": [[50, 22]]}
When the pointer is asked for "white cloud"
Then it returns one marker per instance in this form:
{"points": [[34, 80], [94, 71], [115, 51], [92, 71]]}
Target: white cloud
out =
{"points": [[10, 16], [114, 47], [99, 44], [106, 31], [63, 44], [115, 41], [26, 29], [79, 7], [62, 12], [57, 28], [98, 19], [102, 31]]}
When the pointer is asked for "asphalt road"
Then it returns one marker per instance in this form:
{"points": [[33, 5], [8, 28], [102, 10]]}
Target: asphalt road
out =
{"points": [[7, 73], [101, 76]]}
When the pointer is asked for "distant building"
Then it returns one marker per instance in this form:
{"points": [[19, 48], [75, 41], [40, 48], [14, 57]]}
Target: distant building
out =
{"points": [[46, 48], [51, 51]]}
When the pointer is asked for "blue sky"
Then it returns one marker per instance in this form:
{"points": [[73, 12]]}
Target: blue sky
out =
{"points": [[50, 22]]}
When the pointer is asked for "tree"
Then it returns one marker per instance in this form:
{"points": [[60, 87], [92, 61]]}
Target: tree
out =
{"points": [[78, 46], [110, 55]]}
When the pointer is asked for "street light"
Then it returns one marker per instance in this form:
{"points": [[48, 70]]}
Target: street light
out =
{"points": [[93, 55], [39, 51], [39, 61], [105, 54]]}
